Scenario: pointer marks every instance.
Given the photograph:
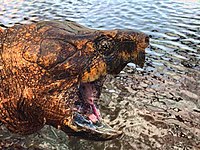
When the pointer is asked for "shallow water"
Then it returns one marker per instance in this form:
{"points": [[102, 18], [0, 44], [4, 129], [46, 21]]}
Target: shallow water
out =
{"points": [[157, 107]]}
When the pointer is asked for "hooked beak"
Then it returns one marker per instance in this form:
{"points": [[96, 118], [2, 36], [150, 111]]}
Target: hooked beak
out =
{"points": [[140, 60]]}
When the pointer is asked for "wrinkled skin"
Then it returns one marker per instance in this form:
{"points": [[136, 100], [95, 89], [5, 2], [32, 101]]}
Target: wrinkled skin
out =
{"points": [[52, 73]]}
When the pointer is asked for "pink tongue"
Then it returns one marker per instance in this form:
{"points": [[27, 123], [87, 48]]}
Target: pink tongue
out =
{"points": [[93, 118], [96, 111], [96, 114], [90, 97]]}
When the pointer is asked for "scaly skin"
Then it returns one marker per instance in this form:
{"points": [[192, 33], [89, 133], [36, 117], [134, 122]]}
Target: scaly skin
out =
{"points": [[42, 65]]}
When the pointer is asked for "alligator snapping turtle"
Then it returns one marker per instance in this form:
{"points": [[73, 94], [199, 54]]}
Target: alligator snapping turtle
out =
{"points": [[52, 73]]}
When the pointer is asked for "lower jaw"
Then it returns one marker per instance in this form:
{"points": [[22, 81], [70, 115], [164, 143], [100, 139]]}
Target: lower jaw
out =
{"points": [[93, 128], [99, 131]]}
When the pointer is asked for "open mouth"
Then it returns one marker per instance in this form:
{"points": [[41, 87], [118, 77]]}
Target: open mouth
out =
{"points": [[87, 116], [88, 94]]}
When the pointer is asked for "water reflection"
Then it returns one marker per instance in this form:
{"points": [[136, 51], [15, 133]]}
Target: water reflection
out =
{"points": [[158, 106]]}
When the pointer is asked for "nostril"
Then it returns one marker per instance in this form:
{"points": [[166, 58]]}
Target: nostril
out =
{"points": [[147, 39]]}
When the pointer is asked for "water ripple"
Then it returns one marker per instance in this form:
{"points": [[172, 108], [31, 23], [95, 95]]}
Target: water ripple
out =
{"points": [[160, 99]]}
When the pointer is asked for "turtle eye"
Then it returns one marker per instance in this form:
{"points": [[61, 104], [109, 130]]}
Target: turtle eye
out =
{"points": [[105, 46]]}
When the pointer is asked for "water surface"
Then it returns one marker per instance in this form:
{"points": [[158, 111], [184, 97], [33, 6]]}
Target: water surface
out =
{"points": [[158, 106]]}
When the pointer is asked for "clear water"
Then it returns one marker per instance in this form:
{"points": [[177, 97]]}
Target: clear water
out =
{"points": [[157, 107]]}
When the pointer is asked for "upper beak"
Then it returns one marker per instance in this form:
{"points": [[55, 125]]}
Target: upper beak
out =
{"points": [[140, 59]]}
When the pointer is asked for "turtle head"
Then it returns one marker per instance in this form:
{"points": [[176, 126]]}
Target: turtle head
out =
{"points": [[78, 61], [108, 52], [120, 47]]}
